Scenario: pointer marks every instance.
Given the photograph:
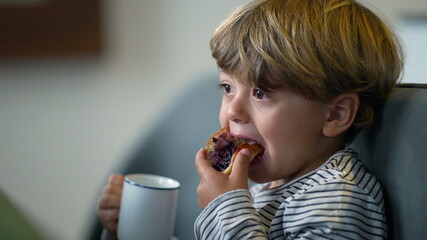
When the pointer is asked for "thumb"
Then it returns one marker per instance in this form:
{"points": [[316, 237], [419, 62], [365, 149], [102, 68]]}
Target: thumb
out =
{"points": [[241, 165]]}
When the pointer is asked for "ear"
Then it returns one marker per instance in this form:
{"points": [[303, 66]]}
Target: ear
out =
{"points": [[341, 113]]}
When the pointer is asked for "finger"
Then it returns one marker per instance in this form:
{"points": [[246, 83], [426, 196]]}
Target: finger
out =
{"points": [[109, 215], [241, 165], [109, 218], [116, 180], [109, 201], [112, 189], [203, 166]]}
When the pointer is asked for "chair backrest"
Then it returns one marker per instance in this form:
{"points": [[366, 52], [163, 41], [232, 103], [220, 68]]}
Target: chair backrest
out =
{"points": [[395, 150]]}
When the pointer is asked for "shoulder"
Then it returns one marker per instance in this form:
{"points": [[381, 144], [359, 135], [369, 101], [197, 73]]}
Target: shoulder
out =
{"points": [[337, 208], [338, 204], [340, 196], [343, 175]]}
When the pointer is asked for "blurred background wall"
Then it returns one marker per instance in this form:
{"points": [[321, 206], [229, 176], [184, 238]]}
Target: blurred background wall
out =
{"points": [[67, 122]]}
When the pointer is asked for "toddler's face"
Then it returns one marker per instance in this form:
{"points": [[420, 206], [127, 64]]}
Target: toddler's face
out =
{"points": [[286, 124]]}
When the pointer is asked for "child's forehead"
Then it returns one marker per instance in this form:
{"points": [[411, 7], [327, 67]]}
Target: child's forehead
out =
{"points": [[231, 75], [243, 77], [224, 74]]}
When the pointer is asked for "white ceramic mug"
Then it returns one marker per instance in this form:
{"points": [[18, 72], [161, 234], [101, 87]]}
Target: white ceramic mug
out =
{"points": [[148, 207]]}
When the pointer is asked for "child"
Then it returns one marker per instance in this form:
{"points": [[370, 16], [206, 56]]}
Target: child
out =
{"points": [[300, 77]]}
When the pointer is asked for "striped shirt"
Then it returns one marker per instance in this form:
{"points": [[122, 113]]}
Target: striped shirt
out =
{"points": [[338, 200]]}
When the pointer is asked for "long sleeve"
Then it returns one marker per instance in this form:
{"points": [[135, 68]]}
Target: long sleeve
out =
{"points": [[230, 216]]}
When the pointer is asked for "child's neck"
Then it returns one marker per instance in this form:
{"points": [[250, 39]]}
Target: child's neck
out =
{"points": [[320, 160], [276, 183]]}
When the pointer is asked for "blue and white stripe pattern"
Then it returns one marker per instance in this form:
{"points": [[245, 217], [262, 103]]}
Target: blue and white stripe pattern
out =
{"points": [[339, 200]]}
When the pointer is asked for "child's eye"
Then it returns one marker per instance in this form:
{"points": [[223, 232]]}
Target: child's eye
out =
{"points": [[226, 87], [259, 94]]}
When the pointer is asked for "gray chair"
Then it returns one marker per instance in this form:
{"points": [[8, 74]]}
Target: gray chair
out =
{"points": [[394, 149]]}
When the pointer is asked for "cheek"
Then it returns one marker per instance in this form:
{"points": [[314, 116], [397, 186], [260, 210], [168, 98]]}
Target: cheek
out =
{"points": [[282, 133], [276, 137], [300, 131]]}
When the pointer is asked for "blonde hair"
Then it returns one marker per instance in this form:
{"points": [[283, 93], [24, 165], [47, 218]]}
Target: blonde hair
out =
{"points": [[318, 48]]}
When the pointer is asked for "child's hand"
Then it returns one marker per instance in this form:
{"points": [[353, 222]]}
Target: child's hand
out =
{"points": [[213, 183], [109, 203]]}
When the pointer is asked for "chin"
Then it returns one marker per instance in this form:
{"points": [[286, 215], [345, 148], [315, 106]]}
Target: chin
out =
{"points": [[259, 177]]}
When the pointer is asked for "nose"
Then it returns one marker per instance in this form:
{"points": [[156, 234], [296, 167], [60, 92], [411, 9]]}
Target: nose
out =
{"points": [[237, 110]]}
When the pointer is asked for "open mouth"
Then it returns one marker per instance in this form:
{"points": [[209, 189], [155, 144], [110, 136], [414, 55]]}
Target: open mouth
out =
{"points": [[259, 155]]}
